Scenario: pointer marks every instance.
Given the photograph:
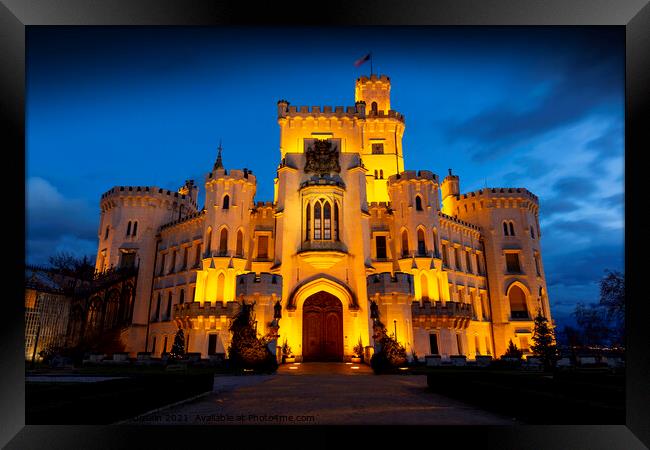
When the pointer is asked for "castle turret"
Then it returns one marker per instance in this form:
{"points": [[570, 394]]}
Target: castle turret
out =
{"points": [[450, 189], [375, 91]]}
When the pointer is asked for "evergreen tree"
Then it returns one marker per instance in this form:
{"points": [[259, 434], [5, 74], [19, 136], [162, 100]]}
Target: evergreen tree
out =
{"points": [[247, 351], [178, 348], [512, 351], [544, 344]]}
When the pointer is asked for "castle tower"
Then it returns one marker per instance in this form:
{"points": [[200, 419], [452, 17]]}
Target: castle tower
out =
{"points": [[131, 217], [382, 131], [509, 220], [228, 238], [450, 189]]}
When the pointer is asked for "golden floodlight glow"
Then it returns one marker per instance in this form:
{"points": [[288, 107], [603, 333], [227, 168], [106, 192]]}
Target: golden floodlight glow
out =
{"points": [[293, 368], [354, 367], [348, 363]]}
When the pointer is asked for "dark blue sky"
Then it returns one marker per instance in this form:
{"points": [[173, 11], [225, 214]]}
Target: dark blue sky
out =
{"points": [[541, 108]]}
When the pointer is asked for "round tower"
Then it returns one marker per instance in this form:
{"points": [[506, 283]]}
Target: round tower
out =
{"points": [[450, 190]]}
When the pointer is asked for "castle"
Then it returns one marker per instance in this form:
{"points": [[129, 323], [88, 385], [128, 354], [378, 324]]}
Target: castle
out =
{"points": [[451, 273]]}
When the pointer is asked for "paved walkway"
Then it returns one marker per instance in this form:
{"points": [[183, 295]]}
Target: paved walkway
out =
{"points": [[323, 394]]}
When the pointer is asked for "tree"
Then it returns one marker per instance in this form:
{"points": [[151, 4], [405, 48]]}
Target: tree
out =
{"points": [[178, 347], [512, 351], [246, 350], [592, 321], [544, 344], [69, 264], [612, 299]]}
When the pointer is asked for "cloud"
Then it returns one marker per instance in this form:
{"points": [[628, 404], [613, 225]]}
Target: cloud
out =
{"points": [[576, 86], [56, 223]]}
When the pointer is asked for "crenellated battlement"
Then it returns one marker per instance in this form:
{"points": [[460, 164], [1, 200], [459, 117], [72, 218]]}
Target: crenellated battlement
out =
{"points": [[458, 221], [152, 192], [374, 78], [379, 205], [249, 284], [386, 283], [409, 175], [185, 219], [500, 193], [245, 175]]}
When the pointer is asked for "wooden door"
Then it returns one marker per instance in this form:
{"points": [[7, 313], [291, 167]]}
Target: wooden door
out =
{"points": [[322, 328]]}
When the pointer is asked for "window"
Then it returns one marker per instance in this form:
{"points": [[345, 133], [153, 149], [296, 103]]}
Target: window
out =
{"points": [[536, 256], [457, 258], [459, 343], [523, 343], [336, 221], [308, 222], [468, 261], [327, 222], [418, 203], [135, 228], [226, 202], [212, 344], [380, 242], [184, 258], [405, 243], [512, 229], [172, 266], [162, 264], [378, 149], [373, 107], [127, 259], [240, 244], [181, 299], [512, 263], [381, 174], [445, 256], [197, 257], [317, 221], [208, 242], [422, 249], [517, 298], [485, 308], [106, 234], [169, 306], [532, 232], [376, 174], [263, 247], [223, 242], [433, 343], [157, 315], [221, 284], [128, 229], [435, 242], [505, 228]]}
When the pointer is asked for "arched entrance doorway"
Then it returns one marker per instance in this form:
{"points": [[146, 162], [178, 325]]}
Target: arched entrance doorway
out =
{"points": [[322, 328]]}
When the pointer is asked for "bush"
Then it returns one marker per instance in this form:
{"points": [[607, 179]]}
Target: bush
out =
{"points": [[390, 356]]}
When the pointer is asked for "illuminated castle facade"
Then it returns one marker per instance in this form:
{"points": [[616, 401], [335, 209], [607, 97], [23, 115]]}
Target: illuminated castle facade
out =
{"points": [[450, 272]]}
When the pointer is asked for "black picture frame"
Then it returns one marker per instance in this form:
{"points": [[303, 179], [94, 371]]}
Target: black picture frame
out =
{"points": [[16, 15]]}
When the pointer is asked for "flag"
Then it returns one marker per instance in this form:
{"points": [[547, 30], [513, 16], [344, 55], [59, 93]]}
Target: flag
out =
{"points": [[361, 60]]}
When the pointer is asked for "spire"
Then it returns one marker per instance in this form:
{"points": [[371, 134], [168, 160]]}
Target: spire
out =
{"points": [[218, 163]]}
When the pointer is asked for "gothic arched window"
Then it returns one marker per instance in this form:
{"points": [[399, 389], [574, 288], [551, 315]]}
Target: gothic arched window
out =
{"points": [[405, 243], [240, 244], [373, 107], [336, 221], [226, 202], [135, 228], [518, 308], [128, 229], [422, 249], [223, 242], [512, 229], [208, 242], [317, 221], [308, 222], [327, 222], [505, 228], [418, 203]]}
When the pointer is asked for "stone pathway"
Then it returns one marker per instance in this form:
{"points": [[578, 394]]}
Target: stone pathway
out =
{"points": [[323, 394]]}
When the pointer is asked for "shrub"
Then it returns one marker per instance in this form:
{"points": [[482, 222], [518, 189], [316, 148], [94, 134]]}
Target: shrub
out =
{"points": [[246, 350]]}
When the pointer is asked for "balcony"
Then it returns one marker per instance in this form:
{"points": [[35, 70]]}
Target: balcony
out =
{"points": [[195, 309], [436, 314]]}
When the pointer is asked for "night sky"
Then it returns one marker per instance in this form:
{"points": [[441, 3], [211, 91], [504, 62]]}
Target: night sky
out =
{"points": [[541, 108]]}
